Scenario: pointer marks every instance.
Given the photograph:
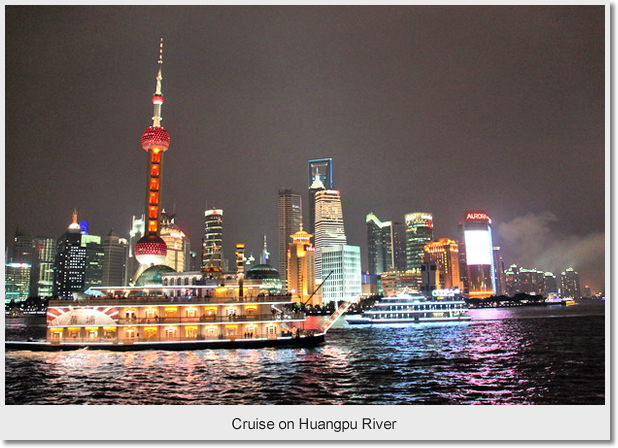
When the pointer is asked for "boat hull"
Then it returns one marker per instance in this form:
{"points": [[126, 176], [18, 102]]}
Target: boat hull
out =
{"points": [[303, 341]]}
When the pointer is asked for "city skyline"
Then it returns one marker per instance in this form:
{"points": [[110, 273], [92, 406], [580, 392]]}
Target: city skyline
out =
{"points": [[503, 111]]}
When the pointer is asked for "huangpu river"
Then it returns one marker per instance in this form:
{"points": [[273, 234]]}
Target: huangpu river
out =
{"points": [[522, 355]]}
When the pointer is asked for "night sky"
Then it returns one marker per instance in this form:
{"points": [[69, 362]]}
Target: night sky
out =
{"points": [[437, 109]]}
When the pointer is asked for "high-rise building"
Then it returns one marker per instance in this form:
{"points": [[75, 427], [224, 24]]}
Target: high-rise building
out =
{"points": [[151, 249], [386, 245], [42, 283], [16, 282], [550, 284], [512, 280], [419, 232], [499, 272], [444, 254], [320, 178], [531, 281], [70, 262], [569, 283], [479, 254], [115, 252], [329, 228], [22, 254], [394, 282], [178, 245], [290, 219], [342, 273], [23, 248], [93, 268], [137, 231], [301, 268], [378, 235], [212, 242]]}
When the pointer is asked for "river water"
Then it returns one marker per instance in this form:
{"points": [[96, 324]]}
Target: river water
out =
{"points": [[524, 355]]}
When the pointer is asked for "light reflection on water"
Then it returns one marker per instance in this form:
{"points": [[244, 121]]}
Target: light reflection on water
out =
{"points": [[505, 356]]}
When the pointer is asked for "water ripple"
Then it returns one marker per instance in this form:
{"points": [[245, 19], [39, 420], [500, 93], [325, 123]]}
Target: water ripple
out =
{"points": [[535, 359]]}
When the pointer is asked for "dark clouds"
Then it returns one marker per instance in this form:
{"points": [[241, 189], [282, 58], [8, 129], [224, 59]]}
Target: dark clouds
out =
{"points": [[439, 109]]}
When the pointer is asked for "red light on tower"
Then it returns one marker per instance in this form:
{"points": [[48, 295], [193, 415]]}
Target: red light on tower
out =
{"points": [[151, 249]]}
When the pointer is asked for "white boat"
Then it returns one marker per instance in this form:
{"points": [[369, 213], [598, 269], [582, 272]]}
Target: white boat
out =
{"points": [[413, 308]]}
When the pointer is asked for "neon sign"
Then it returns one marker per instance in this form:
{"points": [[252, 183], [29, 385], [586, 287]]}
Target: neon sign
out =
{"points": [[477, 216], [445, 292]]}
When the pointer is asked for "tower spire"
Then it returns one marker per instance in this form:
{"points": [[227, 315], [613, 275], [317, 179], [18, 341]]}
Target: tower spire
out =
{"points": [[157, 98], [151, 249]]}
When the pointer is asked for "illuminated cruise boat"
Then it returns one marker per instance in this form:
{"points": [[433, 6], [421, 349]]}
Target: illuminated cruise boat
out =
{"points": [[199, 318], [413, 307]]}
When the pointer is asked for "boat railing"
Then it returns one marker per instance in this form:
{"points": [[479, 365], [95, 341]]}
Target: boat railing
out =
{"points": [[240, 318], [172, 300]]}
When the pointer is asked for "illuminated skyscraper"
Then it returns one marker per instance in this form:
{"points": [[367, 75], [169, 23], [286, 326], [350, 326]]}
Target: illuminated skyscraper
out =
{"points": [[479, 254], [419, 232], [499, 272], [345, 282], [444, 254], [212, 243], [177, 243], [70, 262], [22, 254], [550, 283], [320, 178], [93, 268], [137, 231], [329, 229], [16, 282], [151, 249], [290, 218], [569, 283], [42, 283], [301, 268], [385, 245]]}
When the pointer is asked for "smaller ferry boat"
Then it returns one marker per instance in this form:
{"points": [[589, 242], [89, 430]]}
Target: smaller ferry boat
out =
{"points": [[413, 307], [556, 299]]}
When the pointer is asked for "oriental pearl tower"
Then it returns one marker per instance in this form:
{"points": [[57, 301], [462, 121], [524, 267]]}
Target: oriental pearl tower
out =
{"points": [[151, 249]]}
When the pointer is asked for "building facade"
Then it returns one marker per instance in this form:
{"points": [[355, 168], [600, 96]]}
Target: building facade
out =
{"points": [[320, 177], [385, 245], [569, 283], [70, 262], [329, 228], [394, 282], [42, 283], [419, 232], [16, 282], [290, 214], [444, 254], [342, 274], [178, 245], [93, 269], [115, 253], [212, 242], [301, 269], [499, 272], [479, 254]]}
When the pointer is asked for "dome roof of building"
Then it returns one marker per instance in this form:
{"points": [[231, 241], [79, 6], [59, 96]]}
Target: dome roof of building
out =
{"points": [[262, 272], [152, 275]]}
